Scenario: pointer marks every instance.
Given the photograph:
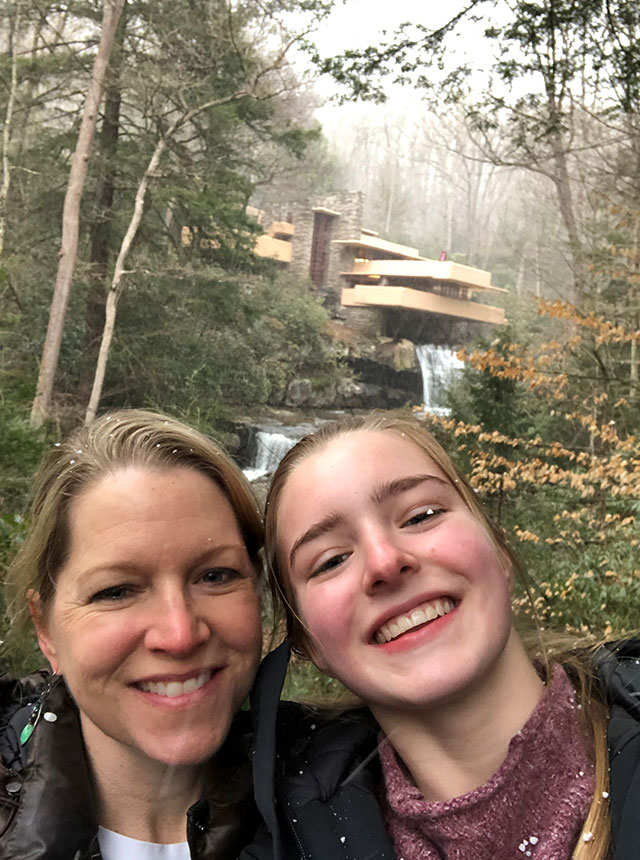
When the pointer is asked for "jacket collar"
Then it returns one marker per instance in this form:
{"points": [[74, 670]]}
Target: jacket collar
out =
{"points": [[265, 700], [57, 813]]}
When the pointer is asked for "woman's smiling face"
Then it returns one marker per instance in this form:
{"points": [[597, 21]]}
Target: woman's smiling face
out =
{"points": [[155, 622], [402, 591]]}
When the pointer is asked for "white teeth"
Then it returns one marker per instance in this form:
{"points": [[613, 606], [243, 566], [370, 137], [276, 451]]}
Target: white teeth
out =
{"points": [[190, 686], [404, 623], [173, 689], [421, 615], [418, 617]]}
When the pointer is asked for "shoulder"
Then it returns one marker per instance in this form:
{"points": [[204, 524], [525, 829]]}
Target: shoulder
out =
{"points": [[618, 666], [321, 736], [327, 780], [17, 697], [16, 691]]}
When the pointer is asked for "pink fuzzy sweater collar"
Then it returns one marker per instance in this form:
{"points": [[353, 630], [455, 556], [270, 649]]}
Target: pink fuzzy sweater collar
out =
{"points": [[533, 806]]}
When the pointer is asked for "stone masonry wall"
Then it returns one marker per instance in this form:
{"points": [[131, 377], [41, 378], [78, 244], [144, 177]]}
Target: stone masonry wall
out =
{"points": [[366, 321], [346, 225], [350, 205]]}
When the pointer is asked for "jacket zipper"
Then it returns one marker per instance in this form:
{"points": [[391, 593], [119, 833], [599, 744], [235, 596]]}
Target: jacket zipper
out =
{"points": [[303, 855]]}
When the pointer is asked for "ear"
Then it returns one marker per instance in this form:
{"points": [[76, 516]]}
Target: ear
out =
{"points": [[38, 616]]}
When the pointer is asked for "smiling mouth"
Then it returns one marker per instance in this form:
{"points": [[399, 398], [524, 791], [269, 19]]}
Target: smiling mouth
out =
{"points": [[173, 689], [418, 617]]}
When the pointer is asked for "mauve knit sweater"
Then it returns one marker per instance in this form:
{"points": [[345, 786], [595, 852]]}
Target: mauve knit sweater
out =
{"points": [[534, 806]]}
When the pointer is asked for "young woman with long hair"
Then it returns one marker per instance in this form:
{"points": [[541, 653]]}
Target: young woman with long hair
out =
{"points": [[395, 581]]}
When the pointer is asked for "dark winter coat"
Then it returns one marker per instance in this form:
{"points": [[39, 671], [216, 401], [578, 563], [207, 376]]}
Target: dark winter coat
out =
{"points": [[315, 778], [47, 800], [619, 668]]}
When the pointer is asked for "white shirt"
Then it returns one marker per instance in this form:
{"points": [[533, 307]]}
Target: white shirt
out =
{"points": [[114, 846]]}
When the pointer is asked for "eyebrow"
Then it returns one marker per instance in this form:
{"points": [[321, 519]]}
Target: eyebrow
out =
{"points": [[380, 494], [318, 529], [385, 491]]}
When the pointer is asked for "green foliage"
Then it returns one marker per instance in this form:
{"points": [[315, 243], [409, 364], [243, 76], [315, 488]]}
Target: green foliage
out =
{"points": [[21, 448], [305, 683], [216, 341]]}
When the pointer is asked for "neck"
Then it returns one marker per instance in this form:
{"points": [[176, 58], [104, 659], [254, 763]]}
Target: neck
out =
{"points": [[138, 796], [452, 748]]}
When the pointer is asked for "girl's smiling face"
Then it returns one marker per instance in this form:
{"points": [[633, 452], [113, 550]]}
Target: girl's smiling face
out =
{"points": [[403, 592]]}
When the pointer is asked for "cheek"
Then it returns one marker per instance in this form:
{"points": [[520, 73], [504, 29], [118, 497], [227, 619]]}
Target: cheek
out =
{"points": [[473, 554], [97, 645], [327, 610], [240, 624]]}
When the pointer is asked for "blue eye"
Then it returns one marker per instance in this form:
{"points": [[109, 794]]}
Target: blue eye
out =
{"points": [[219, 575], [111, 595]]}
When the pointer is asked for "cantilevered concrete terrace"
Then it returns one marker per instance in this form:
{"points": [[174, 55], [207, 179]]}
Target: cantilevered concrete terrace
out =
{"points": [[276, 243], [385, 274]]}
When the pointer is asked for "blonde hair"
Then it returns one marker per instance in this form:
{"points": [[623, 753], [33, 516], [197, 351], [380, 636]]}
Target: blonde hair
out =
{"points": [[128, 437], [594, 840]]}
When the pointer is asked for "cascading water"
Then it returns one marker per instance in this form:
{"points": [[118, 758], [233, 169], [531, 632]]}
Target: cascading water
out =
{"points": [[269, 446], [270, 449], [439, 366]]}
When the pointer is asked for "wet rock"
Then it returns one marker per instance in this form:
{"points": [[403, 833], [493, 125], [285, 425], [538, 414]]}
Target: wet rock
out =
{"points": [[298, 392]]}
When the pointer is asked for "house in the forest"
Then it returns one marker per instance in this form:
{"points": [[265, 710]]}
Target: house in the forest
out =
{"points": [[378, 287]]}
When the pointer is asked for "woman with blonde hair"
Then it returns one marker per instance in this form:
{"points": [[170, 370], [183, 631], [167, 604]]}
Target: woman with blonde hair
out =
{"points": [[140, 572], [396, 582]]}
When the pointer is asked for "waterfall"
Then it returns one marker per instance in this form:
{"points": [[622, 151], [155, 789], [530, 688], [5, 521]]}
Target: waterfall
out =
{"points": [[439, 366], [269, 445], [270, 449]]}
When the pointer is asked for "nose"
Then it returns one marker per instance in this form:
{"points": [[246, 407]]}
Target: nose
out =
{"points": [[387, 560], [175, 626]]}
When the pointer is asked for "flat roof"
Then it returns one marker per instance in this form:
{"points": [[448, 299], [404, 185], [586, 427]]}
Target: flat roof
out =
{"points": [[433, 270], [325, 211], [373, 243], [276, 249]]}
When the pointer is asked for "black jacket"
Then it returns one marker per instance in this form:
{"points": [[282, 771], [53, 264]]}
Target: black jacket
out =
{"points": [[47, 800], [315, 777], [619, 668]]}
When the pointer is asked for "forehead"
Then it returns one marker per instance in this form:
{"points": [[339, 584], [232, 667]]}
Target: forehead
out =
{"points": [[359, 460], [138, 492]]}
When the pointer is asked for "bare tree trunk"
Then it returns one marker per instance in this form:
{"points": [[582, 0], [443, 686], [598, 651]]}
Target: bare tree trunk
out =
{"points": [[117, 285], [27, 100], [100, 230], [71, 216], [448, 242], [562, 183], [6, 133], [521, 265]]}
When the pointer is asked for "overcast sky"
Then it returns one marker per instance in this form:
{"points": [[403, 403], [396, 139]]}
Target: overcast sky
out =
{"points": [[358, 23]]}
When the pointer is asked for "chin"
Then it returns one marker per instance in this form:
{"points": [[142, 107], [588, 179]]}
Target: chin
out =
{"points": [[186, 754]]}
